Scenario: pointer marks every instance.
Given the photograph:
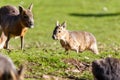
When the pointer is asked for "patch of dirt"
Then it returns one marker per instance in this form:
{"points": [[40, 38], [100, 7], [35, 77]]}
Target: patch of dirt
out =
{"points": [[50, 77], [78, 69], [81, 66], [31, 70]]}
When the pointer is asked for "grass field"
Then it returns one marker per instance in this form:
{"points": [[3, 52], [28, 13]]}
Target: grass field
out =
{"points": [[44, 56]]}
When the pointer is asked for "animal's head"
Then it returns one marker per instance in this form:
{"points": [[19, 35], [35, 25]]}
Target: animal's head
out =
{"points": [[103, 69], [8, 71], [59, 31], [20, 74], [26, 16], [14, 75]]}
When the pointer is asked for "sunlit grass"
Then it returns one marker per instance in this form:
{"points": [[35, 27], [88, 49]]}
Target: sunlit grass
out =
{"points": [[43, 55]]}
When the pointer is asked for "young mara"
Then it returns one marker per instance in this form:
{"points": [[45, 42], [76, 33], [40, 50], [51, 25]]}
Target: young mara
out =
{"points": [[74, 40]]}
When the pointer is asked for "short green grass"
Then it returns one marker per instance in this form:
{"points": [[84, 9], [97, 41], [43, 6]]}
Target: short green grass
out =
{"points": [[43, 55]]}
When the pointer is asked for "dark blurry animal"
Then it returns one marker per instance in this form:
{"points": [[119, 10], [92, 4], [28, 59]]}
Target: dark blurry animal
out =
{"points": [[14, 22], [75, 40], [8, 70], [106, 69]]}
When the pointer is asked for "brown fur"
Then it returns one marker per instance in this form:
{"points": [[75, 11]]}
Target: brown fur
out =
{"points": [[14, 23], [106, 69], [8, 70], [75, 40]]}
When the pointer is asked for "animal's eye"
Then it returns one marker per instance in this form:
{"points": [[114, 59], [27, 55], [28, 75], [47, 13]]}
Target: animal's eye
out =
{"points": [[25, 16], [59, 31]]}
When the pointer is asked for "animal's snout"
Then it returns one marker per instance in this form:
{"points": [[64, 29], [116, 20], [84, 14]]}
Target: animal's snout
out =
{"points": [[31, 24], [53, 36]]}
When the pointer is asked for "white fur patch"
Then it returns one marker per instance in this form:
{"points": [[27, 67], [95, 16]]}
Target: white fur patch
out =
{"points": [[63, 37], [17, 37], [2, 45]]}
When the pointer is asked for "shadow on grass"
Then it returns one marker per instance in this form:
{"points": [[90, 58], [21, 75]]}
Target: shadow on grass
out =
{"points": [[94, 14]]}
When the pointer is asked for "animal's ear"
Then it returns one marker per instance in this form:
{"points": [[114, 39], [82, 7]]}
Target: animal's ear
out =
{"points": [[20, 9], [13, 75], [64, 24], [30, 7], [21, 72], [57, 23]]}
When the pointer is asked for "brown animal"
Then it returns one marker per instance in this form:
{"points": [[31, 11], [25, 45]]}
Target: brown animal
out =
{"points": [[106, 69], [8, 70], [74, 40], [14, 23]]}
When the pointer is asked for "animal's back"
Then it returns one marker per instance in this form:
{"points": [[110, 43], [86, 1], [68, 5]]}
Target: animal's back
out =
{"points": [[83, 38], [7, 10]]}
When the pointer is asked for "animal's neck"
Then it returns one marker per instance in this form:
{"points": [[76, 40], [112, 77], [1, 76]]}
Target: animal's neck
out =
{"points": [[21, 28], [65, 37], [17, 20], [20, 23]]}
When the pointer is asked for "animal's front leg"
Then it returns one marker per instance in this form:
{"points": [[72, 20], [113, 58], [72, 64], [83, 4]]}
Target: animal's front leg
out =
{"points": [[66, 50], [22, 42], [81, 48]]}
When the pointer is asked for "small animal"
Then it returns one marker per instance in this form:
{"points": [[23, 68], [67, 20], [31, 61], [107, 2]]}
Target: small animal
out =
{"points": [[8, 70], [106, 69], [74, 40], [14, 22]]}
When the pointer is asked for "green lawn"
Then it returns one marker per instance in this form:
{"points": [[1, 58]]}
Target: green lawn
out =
{"points": [[43, 55]]}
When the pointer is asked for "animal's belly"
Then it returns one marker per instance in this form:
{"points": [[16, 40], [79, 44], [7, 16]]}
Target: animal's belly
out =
{"points": [[15, 36], [17, 32], [75, 47]]}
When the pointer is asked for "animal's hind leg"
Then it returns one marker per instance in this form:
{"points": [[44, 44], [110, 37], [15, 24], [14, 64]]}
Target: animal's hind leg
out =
{"points": [[3, 39], [7, 42], [94, 48]]}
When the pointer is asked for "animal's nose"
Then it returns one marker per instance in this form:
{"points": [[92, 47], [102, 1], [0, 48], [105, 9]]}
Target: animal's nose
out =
{"points": [[53, 36], [31, 23]]}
